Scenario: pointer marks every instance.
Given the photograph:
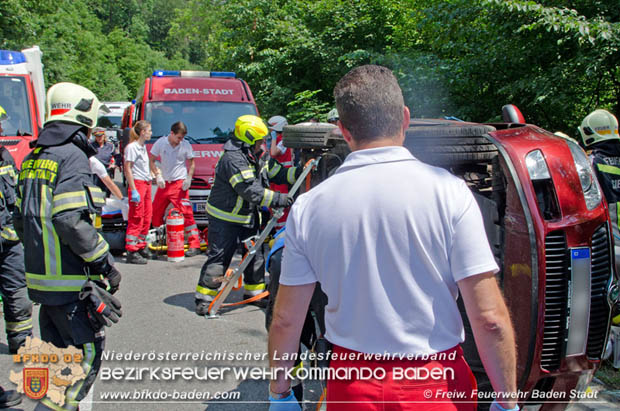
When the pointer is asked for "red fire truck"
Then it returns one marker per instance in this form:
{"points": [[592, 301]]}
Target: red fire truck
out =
{"points": [[209, 103], [22, 95]]}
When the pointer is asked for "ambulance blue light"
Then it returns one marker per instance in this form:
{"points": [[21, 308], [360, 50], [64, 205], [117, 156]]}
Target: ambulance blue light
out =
{"points": [[223, 74], [11, 57], [166, 73]]}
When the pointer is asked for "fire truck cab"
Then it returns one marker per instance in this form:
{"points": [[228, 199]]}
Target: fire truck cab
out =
{"points": [[22, 95], [208, 103]]}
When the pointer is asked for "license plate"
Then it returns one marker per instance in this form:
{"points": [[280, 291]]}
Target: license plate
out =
{"points": [[199, 207]]}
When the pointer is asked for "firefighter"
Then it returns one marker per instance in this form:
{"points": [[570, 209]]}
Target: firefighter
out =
{"points": [[56, 204], [282, 155], [240, 187], [599, 131], [17, 307]]}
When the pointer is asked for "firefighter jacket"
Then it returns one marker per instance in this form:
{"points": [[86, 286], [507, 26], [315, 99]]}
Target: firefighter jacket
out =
{"points": [[56, 204], [606, 162], [242, 184], [8, 180]]}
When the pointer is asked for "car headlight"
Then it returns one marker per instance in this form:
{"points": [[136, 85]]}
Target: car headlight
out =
{"points": [[589, 184], [536, 165]]}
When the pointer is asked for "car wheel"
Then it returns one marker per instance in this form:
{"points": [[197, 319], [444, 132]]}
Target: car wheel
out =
{"points": [[311, 135], [452, 145]]}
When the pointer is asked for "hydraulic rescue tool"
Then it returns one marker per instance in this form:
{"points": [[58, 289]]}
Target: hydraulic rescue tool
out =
{"points": [[254, 243]]}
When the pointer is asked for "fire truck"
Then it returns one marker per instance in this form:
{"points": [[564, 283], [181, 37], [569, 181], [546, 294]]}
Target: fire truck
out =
{"points": [[209, 103], [22, 95]]}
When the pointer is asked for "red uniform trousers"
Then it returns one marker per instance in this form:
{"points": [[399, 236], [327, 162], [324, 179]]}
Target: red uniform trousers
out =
{"points": [[139, 219], [413, 390], [173, 193]]}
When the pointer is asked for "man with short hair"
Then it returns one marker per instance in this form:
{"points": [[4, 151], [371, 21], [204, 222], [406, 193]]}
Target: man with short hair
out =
{"points": [[174, 180], [391, 259]]}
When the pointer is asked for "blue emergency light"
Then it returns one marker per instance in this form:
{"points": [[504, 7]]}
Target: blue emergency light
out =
{"points": [[8, 57], [183, 73]]}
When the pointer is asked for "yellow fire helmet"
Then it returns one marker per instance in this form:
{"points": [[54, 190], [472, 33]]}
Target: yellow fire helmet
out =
{"points": [[3, 114], [250, 129], [72, 103], [598, 126]]}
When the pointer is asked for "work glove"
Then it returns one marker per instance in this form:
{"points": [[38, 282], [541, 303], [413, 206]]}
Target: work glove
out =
{"points": [[135, 196], [186, 183], [104, 267], [285, 404], [495, 406], [114, 279], [284, 200], [160, 181], [103, 309]]}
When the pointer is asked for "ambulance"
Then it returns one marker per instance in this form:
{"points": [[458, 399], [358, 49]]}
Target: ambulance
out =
{"points": [[209, 103], [22, 96]]}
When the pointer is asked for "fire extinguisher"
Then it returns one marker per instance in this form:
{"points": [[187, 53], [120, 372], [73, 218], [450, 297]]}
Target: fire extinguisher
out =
{"points": [[175, 237]]}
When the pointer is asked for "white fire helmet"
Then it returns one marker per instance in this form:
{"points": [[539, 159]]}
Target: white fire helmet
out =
{"points": [[277, 123], [598, 126], [72, 103]]}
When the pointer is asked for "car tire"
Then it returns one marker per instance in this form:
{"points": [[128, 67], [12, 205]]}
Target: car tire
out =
{"points": [[311, 135], [451, 145]]}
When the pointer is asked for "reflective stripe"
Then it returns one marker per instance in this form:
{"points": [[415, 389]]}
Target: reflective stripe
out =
{"points": [[8, 170], [55, 283], [131, 239], [205, 291], [290, 175], [51, 247], [236, 179], [68, 201], [238, 205], [18, 203], [101, 248], [97, 195], [608, 169], [231, 217], [247, 174], [90, 353], [9, 234], [267, 198], [254, 287], [19, 326], [287, 163], [274, 171]]}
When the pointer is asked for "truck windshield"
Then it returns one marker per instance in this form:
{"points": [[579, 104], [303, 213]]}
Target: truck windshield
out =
{"points": [[109, 121], [14, 100], [207, 122]]}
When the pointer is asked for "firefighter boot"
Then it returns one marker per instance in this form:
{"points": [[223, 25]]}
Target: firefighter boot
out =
{"points": [[146, 253], [202, 307], [134, 257], [192, 252], [9, 398]]}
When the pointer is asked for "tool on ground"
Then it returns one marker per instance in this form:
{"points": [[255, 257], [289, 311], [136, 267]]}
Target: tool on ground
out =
{"points": [[233, 276]]}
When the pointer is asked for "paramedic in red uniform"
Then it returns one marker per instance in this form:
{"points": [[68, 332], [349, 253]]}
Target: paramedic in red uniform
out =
{"points": [[174, 180], [392, 259], [282, 155]]}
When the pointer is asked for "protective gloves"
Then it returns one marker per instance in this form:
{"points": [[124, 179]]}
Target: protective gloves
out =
{"points": [[160, 181], [114, 279], [135, 196], [284, 201], [186, 183], [103, 308], [285, 404], [104, 267], [495, 406]]}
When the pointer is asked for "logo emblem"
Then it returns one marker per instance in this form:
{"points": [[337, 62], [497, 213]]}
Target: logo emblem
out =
{"points": [[36, 382]]}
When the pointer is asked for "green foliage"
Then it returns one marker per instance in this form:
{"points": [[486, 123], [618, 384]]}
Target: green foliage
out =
{"points": [[306, 106]]}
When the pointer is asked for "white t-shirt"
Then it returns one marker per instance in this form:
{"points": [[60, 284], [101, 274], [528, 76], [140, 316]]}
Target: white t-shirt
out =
{"points": [[137, 154], [173, 159], [97, 167], [388, 237]]}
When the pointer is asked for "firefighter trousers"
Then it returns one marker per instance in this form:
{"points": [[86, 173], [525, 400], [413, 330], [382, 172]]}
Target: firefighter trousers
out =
{"points": [[139, 219], [224, 239], [174, 194], [68, 324], [16, 304]]}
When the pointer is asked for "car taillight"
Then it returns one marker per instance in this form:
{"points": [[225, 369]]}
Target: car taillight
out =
{"points": [[589, 184]]}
